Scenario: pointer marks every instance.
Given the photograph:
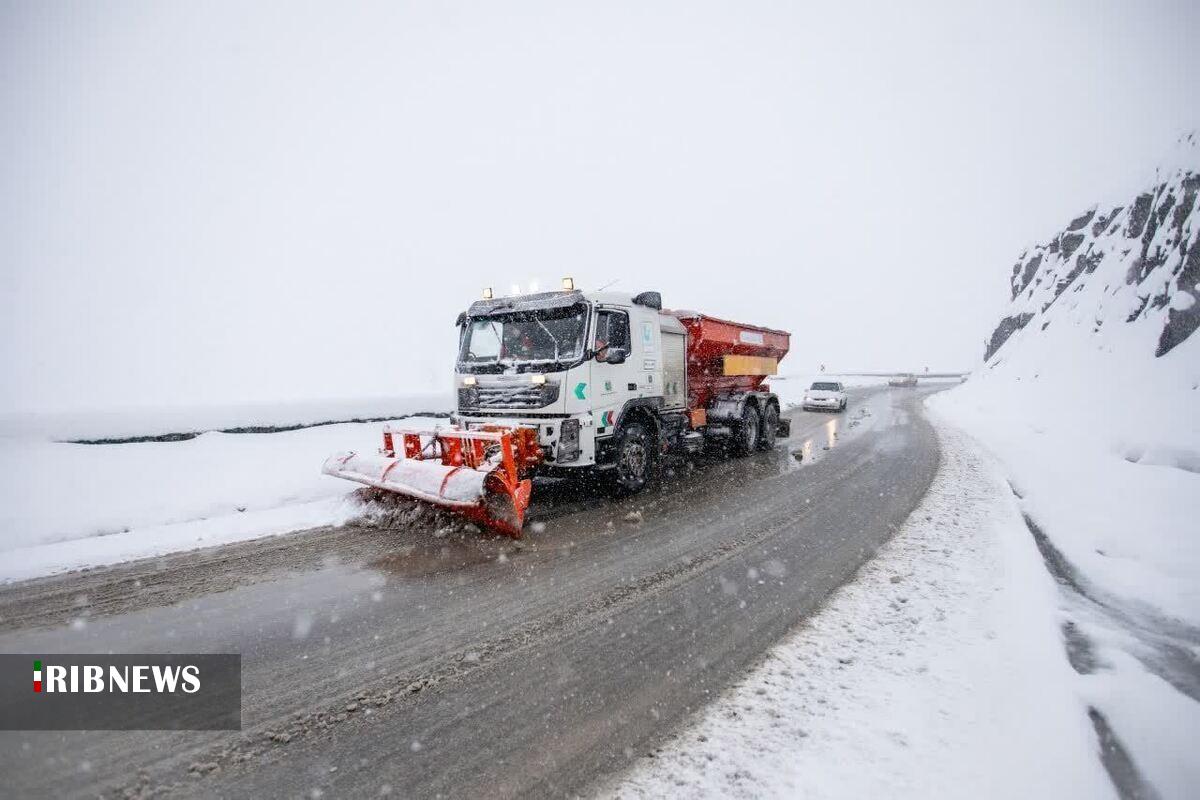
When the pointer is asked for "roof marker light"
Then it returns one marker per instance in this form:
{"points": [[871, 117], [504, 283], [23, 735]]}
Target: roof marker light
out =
{"points": [[569, 284]]}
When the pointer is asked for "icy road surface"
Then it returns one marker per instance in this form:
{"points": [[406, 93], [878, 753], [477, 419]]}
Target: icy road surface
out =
{"points": [[392, 661]]}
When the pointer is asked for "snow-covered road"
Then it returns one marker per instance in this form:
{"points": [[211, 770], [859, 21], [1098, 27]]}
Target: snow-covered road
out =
{"points": [[517, 670], [939, 671], [969, 658], [953, 661]]}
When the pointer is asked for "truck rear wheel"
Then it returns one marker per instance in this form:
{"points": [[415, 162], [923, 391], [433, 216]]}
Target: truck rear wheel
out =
{"points": [[634, 458], [746, 437], [770, 428]]}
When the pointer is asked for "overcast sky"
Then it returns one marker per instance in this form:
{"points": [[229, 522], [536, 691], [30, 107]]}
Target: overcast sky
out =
{"points": [[209, 202]]}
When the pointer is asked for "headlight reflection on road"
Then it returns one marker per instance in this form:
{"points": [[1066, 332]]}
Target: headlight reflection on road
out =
{"points": [[805, 453]]}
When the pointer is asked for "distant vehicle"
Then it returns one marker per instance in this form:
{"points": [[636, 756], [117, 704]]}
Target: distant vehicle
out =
{"points": [[825, 395], [903, 379]]}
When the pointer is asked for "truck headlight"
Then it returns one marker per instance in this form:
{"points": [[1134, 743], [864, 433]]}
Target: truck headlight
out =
{"points": [[568, 442]]}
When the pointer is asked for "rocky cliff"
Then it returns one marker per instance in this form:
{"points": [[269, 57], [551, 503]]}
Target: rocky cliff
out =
{"points": [[1132, 264]]}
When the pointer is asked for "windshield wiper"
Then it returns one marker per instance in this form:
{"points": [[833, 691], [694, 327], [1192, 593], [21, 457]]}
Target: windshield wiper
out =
{"points": [[542, 325]]}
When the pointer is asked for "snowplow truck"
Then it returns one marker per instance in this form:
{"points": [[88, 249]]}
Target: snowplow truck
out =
{"points": [[568, 383]]}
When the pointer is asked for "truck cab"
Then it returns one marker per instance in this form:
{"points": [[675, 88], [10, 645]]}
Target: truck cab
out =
{"points": [[578, 367], [610, 380]]}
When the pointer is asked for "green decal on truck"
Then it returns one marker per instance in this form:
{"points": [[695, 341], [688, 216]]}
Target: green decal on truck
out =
{"points": [[581, 390]]}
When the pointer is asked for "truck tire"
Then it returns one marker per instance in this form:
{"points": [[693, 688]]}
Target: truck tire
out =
{"points": [[770, 428], [746, 434], [634, 458]]}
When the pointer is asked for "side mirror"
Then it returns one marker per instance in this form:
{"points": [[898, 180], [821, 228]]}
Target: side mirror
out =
{"points": [[613, 355], [462, 319]]}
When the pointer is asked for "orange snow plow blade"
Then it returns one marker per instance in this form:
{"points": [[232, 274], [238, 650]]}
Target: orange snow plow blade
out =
{"points": [[477, 473]]}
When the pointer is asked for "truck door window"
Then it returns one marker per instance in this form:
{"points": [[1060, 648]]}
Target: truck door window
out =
{"points": [[612, 331], [481, 341]]}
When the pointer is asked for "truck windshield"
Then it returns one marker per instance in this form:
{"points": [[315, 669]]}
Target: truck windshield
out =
{"points": [[526, 338]]}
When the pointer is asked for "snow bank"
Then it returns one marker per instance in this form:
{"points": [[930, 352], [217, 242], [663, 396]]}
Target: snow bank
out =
{"points": [[1089, 396], [1102, 441], [64, 506], [1099, 433], [938, 672]]}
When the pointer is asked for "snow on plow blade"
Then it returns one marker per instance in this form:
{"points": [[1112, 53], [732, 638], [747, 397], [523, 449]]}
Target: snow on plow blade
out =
{"points": [[424, 480], [477, 473]]}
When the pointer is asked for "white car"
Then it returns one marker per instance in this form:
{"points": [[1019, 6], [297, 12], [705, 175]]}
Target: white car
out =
{"points": [[825, 396]]}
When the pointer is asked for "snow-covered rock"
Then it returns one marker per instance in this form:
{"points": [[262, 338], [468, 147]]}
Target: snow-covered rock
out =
{"points": [[1091, 384], [1137, 264]]}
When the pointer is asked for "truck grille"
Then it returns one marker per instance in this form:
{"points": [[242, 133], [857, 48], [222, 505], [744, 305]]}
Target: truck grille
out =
{"points": [[517, 396]]}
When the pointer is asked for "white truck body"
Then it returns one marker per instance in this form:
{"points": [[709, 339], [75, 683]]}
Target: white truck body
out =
{"points": [[587, 396]]}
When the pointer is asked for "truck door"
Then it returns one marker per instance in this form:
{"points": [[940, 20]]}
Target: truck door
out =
{"points": [[612, 384]]}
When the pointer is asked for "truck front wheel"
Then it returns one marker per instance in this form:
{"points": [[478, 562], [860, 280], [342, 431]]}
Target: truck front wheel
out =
{"points": [[635, 457], [745, 438]]}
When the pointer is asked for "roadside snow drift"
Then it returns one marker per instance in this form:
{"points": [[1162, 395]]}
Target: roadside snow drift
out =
{"points": [[1093, 399], [1090, 396], [65, 506]]}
